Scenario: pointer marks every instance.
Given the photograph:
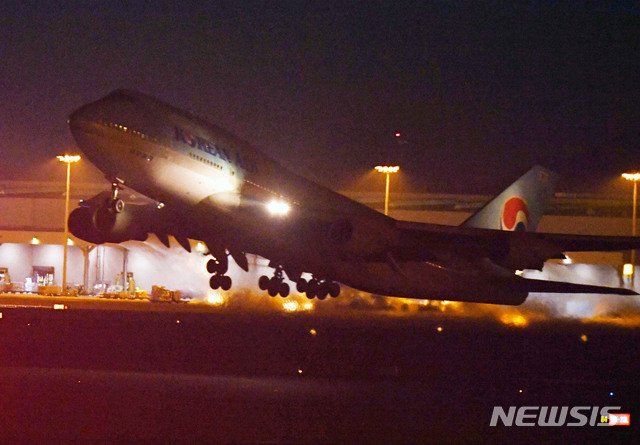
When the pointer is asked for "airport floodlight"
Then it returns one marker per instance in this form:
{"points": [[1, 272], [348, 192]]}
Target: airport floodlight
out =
{"points": [[66, 159], [387, 170], [635, 177]]}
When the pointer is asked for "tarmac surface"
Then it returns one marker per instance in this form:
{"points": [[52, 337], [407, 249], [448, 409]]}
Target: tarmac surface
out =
{"points": [[102, 371]]}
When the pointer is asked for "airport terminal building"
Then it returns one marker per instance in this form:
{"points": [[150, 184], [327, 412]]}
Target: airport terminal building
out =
{"points": [[32, 238]]}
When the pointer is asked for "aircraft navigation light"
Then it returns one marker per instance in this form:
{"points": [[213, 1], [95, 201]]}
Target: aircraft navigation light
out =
{"points": [[278, 207]]}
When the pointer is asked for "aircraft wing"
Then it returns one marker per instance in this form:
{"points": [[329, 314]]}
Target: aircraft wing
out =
{"points": [[513, 250]]}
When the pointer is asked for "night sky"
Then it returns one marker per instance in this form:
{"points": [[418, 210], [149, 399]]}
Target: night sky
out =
{"points": [[479, 90]]}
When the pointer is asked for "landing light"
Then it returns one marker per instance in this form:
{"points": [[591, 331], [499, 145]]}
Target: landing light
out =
{"points": [[278, 207], [35, 241], [627, 270]]}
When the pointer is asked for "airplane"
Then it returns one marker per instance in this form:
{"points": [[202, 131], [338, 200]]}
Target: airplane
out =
{"points": [[173, 173]]}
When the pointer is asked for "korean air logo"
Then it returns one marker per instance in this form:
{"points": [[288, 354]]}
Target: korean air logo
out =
{"points": [[515, 215]]}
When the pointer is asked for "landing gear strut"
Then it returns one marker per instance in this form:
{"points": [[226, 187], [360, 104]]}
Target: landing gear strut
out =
{"points": [[274, 285], [318, 288], [219, 269], [115, 203]]}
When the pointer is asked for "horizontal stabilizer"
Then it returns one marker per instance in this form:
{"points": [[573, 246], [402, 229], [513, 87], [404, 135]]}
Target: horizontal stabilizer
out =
{"points": [[560, 287]]}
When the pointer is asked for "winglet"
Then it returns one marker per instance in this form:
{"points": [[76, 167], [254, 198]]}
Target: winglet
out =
{"points": [[520, 206]]}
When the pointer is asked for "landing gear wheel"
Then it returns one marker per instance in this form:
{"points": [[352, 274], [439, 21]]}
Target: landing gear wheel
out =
{"points": [[263, 282], [334, 289], [118, 205], [225, 282], [212, 266], [284, 290], [301, 285], [312, 288], [274, 287], [323, 290], [214, 282]]}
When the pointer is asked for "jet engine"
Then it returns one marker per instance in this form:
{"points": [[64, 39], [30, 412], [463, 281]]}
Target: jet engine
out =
{"points": [[104, 220]]}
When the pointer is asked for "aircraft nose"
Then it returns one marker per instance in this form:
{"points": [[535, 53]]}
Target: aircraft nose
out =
{"points": [[81, 117]]}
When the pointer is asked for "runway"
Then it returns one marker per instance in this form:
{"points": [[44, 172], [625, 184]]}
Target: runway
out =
{"points": [[181, 375]]}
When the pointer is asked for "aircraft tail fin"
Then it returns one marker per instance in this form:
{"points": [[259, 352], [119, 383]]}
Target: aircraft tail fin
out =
{"points": [[520, 206]]}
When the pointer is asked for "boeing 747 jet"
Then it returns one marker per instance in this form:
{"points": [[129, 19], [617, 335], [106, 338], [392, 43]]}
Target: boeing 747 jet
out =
{"points": [[173, 173]]}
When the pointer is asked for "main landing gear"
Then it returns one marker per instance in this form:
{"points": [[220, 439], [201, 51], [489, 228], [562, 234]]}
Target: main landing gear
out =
{"points": [[318, 288], [219, 268], [274, 285]]}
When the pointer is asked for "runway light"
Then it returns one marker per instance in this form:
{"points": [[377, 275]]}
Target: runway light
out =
{"points": [[299, 370], [290, 306], [177, 321], [584, 338], [627, 270], [216, 298], [520, 391], [278, 207], [439, 329], [515, 320], [59, 307], [611, 393], [313, 332]]}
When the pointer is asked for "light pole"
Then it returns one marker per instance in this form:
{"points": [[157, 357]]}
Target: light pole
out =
{"points": [[635, 177], [387, 170], [67, 159]]}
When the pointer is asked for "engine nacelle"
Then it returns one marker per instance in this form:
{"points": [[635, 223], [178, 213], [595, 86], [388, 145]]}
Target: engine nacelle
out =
{"points": [[98, 221]]}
